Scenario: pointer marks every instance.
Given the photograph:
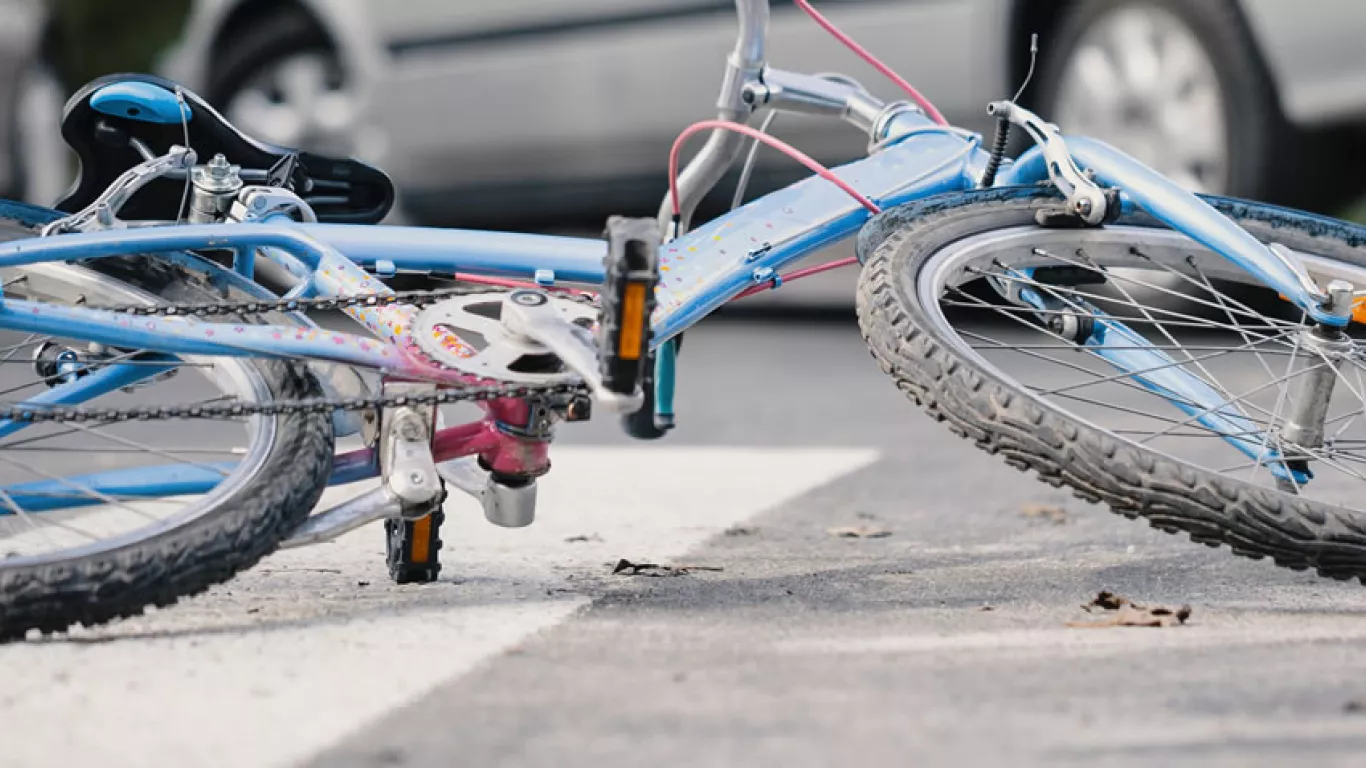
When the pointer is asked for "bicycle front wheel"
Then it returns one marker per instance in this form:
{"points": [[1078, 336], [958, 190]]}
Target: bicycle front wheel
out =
{"points": [[1021, 337], [100, 520]]}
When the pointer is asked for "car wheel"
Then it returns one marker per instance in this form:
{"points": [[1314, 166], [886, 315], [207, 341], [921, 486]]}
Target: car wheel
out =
{"points": [[282, 81], [1176, 84]]}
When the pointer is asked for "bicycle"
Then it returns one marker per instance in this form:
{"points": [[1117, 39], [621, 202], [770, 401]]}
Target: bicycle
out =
{"points": [[157, 270]]}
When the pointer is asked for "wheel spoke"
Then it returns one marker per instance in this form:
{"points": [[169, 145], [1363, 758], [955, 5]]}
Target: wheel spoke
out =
{"points": [[141, 446], [1239, 399], [1223, 301], [1001, 345], [1218, 295], [1208, 377], [83, 491], [1187, 320], [117, 359], [1030, 311], [1135, 412], [9, 503], [1117, 378]]}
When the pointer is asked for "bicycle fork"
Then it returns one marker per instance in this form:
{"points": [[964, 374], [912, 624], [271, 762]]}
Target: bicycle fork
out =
{"points": [[1285, 449], [1322, 348]]}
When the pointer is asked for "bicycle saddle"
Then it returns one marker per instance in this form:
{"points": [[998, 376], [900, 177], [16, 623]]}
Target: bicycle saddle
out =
{"points": [[101, 120]]}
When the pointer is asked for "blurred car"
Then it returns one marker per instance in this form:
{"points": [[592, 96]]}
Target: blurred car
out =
{"points": [[21, 116], [517, 112]]}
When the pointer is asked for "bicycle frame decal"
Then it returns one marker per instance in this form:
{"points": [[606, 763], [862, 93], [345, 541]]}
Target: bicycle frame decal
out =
{"points": [[703, 269]]}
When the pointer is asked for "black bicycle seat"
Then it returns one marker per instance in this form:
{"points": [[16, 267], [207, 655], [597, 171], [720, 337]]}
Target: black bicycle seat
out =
{"points": [[102, 118]]}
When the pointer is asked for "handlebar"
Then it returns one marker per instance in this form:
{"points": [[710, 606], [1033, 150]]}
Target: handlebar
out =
{"points": [[749, 48], [749, 83]]}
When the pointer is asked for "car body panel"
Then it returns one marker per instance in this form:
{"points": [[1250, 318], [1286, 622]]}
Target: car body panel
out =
{"points": [[347, 22], [470, 93], [480, 109], [484, 109], [20, 41], [1315, 55]]}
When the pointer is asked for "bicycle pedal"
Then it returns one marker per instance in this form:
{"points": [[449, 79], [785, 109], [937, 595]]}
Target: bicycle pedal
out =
{"points": [[631, 272], [413, 548]]}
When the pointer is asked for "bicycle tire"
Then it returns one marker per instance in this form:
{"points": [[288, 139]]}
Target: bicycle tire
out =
{"points": [[980, 404], [231, 534]]}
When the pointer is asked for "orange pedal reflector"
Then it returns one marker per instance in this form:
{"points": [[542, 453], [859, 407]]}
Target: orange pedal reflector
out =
{"points": [[632, 322], [422, 537]]}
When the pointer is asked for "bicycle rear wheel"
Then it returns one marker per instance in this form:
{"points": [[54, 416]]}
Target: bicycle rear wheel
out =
{"points": [[1035, 387], [90, 530]]}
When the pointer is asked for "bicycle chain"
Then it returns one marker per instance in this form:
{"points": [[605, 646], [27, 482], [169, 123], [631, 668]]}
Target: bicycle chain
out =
{"points": [[419, 299], [472, 393]]}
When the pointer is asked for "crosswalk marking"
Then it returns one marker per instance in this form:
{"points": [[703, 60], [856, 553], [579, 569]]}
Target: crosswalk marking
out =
{"points": [[313, 644]]}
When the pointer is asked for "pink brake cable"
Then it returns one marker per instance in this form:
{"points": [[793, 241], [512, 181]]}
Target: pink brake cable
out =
{"points": [[792, 152], [787, 149], [873, 61]]}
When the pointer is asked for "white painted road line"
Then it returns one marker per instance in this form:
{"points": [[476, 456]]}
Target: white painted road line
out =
{"points": [[296, 654], [1226, 632]]}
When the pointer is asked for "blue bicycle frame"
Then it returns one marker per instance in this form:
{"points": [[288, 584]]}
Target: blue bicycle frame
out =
{"points": [[700, 271]]}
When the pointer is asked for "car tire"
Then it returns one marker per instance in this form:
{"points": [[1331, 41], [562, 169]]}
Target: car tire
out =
{"points": [[253, 65], [1233, 124]]}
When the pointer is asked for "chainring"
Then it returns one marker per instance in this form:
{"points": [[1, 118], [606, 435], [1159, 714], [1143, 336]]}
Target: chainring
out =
{"points": [[466, 334]]}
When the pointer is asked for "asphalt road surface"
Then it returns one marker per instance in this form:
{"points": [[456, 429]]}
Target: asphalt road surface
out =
{"points": [[945, 642]]}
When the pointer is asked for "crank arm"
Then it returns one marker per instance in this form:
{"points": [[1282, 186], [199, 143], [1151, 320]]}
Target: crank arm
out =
{"points": [[405, 452], [529, 313], [378, 504], [411, 487], [508, 506]]}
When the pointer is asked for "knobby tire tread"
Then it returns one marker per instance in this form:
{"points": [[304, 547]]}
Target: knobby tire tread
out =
{"points": [[1254, 522], [185, 561]]}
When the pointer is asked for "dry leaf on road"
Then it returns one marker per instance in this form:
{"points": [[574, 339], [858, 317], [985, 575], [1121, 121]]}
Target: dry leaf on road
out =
{"points": [[1123, 612], [859, 532], [625, 567], [1053, 514]]}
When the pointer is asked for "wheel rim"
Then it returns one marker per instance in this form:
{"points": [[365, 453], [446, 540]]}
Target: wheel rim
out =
{"points": [[1139, 79], [59, 454], [301, 101], [1229, 332]]}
